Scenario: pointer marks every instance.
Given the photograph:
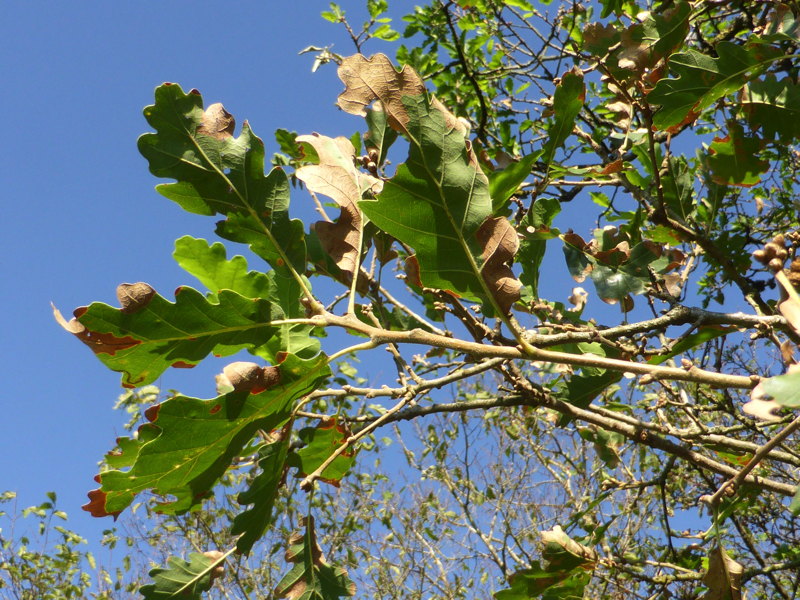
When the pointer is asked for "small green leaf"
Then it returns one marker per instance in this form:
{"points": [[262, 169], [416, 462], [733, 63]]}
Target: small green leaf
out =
{"points": [[180, 579], [320, 442], [568, 101], [733, 160], [503, 183], [253, 522]]}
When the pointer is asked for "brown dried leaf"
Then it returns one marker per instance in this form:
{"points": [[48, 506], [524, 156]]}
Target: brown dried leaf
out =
{"points": [[336, 176], [500, 243], [217, 122], [724, 577], [134, 296], [248, 377], [787, 353], [375, 78]]}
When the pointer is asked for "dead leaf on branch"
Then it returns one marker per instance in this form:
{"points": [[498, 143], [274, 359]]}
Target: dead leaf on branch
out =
{"points": [[375, 78], [337, 177], [724, 577], [500, 243], [217, 122], [134, 296], [248, 377]]}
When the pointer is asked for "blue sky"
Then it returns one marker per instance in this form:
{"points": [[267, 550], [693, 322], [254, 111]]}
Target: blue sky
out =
{"points": [[79, 208]]}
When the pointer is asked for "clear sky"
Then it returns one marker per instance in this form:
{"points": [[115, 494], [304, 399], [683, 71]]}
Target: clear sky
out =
{"points": [[79, 210]]}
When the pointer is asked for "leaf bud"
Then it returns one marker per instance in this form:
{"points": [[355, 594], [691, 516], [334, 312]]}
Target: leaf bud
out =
{"points": [[775, 265]]}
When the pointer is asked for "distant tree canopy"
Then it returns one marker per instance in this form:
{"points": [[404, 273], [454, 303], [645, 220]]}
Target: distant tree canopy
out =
{"points": [[633, 436]]}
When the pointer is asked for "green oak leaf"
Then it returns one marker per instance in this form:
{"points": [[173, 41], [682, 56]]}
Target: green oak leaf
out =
{"points": [[217, 173], [568, 101], [379, 135], [733, 160], [702, 80], [774, 107], [149, 333], [320, 442], [438, 200], [533, 242], [312, 578], [503, 183], [253, 522], [211, 266], [181, 579], [189, 443]]}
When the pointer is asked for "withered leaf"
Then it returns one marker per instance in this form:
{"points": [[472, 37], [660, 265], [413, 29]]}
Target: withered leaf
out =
{"points": [[500, 243], [375, 78], [249, 377], [134, 296], [724, 577], [217, 122], [337, 177]]}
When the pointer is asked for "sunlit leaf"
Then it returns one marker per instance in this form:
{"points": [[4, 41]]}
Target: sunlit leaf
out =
{"points": [[181, 578], [189, 443], [446, 215], [734, 160], [568, 100], [319, 443], [702, 80], [149, 334], [218, 173], [773, 106]]}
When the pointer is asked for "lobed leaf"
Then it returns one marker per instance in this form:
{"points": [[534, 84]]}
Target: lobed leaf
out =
{"points": [[263, 490], [210, 265], [181, 578], [319, 443], [217, 173], [337, 177], [733, 159], [702, 80], [149, 333], [774, 107], [438, 201], [189, 443]]}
